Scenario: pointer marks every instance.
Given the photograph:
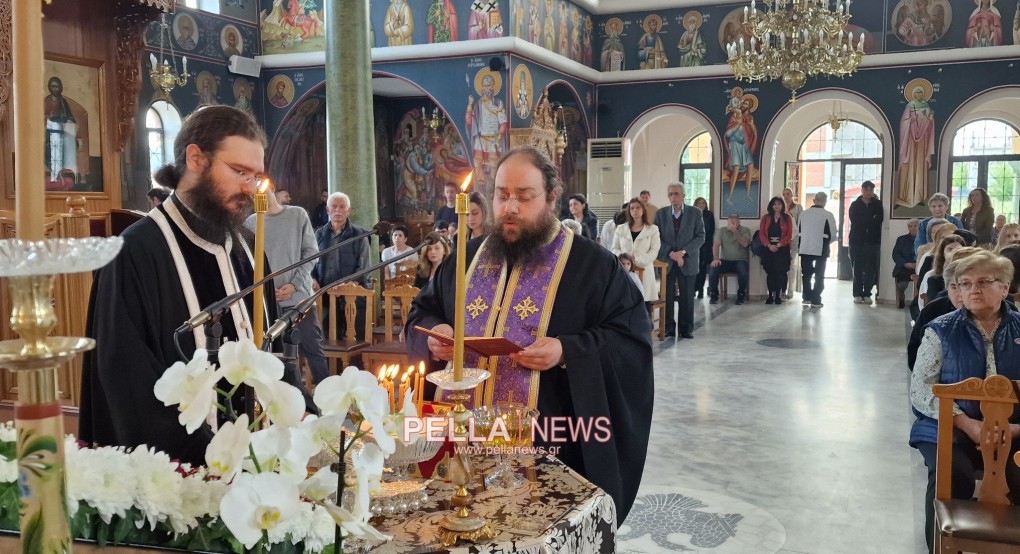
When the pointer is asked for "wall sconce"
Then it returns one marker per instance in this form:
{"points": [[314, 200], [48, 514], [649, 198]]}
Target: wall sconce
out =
{"points": [[162, 73], [435, 121]]}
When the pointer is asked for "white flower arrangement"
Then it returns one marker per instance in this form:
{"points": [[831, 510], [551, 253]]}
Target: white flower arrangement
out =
{"points": [[254, 492]]}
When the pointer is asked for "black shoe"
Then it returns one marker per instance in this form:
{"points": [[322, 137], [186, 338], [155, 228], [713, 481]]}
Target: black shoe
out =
{"points": [[701, 294], [670, 334], [687, 335], [713, 300], [740, 300], [771, 299], [779, 299]]}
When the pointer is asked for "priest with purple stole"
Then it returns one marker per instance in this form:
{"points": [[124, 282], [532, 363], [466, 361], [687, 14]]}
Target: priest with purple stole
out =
{"points": [[568, 303]]}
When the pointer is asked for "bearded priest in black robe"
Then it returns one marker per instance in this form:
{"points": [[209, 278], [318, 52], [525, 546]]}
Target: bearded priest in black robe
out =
{"points": [[583, 325], [186, 254]]}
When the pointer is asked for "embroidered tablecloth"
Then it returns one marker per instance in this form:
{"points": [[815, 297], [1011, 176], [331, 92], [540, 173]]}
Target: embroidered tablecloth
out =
{"points": [[558, 511]]}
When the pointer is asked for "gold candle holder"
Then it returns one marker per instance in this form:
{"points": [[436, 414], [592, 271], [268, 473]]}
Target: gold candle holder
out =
{"points": [[35, 357], [462, 523]]}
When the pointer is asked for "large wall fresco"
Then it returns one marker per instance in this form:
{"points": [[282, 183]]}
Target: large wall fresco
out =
{"points": [[556, 25]]}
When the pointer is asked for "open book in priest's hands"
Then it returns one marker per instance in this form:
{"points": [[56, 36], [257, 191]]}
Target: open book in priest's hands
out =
{"points": [[485, 346]]}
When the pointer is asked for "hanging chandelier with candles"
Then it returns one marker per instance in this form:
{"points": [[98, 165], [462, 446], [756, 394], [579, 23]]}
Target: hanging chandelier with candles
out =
{"points": [[164, 71], [794, 39]]}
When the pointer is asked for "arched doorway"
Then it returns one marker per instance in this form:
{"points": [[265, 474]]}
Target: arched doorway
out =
{"points": [[574, 128], [986, 155], [836, 162], [665, 133]]}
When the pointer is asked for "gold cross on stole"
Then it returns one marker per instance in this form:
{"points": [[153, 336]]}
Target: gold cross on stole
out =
{"points": [[526, 308], [477, 307]]}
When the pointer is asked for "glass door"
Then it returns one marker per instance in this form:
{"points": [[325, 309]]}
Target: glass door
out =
{"points": [[854, 174]]}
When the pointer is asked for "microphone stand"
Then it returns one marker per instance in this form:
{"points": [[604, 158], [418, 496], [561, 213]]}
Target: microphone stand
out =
{"points": [[292, 316], [210, 315]]}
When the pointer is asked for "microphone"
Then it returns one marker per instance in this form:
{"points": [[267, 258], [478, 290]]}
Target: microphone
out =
{"points": [[215, 310], [294, 314]]}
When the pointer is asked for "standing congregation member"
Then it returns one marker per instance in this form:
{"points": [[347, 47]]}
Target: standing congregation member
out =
{"points": [[580, 321], [705, 255], [794, 210], [681, 234], [290, 238], [187, 253], [579, 212], [447, 213], [817, 229], [979, 216], [730, 255], [341, 262], [399, 237], [640, 239], [775, 232], [865, 242], [646, 198]]}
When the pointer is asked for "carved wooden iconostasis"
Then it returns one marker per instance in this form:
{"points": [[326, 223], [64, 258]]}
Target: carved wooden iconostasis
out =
{"points": [[92, 73]]}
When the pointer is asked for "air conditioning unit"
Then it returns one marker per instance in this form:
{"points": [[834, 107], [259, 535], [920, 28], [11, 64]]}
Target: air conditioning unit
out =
{"points": [[608, 175], [244, 66]]}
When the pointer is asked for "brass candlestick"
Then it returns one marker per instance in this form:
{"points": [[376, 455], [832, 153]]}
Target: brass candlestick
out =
{"points": [[463, 524], [30, 267]]}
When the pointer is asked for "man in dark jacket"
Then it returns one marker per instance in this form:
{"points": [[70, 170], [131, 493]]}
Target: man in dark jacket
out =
{"points": [[906, 263], [343, 262], [865, 241]]}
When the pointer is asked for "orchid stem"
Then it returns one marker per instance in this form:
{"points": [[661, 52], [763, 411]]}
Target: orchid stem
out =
{"points": [[254, 459]]}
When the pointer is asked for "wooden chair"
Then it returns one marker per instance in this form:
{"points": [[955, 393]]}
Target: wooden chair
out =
{"points": [[659, 305], [724, 279], [396, 301], [348, 347], [989, 524]]}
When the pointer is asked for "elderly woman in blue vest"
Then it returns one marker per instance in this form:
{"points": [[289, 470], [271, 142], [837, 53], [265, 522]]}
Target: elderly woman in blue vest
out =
{"points": [[978, 340]]}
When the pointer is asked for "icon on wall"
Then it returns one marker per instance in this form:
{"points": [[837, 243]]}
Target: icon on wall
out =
{"points": [[484, 21], [442, 21], [281, 91], [230, 41], [242, 94], [488, 127], [399, 23], [185, 31], [205, 83], [692, 44], [921, 22], [917, 144], [523, 88], [731, 29], [651, 52], [984, 28], [612, 47], [740, 142]]}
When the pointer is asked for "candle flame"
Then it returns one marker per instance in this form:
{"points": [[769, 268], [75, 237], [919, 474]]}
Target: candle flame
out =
{"points": [[467, 182], [263, 185], [421, 368]]}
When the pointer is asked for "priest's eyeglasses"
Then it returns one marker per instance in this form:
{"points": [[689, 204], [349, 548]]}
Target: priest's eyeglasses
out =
{"points": [[504, 196]]}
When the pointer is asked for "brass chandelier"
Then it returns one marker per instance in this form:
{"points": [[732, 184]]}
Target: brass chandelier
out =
{"points": [[164, 76], [794, 39]]}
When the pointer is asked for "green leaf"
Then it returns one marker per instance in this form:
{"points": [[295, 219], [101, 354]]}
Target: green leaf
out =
{"points": [[10, 504], [122, 529], [9, 450], [46, 442]]}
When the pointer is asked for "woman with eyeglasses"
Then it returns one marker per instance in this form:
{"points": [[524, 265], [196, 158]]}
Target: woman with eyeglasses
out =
{"points": [[977, 340]]}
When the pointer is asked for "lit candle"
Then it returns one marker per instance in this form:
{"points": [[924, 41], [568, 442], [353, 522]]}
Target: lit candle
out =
{"points": [[461, 292], [404, 383], [419, 386], [258, 311], [30, 200]]}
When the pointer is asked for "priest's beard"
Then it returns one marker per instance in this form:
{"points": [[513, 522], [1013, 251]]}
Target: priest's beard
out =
{"points": [[530, 236], [215, 220]]}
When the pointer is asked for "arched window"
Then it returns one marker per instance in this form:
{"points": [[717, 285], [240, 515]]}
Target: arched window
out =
{"points": [[212, 6], [696, 168], [986, 154], [162, 122], [836, 162]]}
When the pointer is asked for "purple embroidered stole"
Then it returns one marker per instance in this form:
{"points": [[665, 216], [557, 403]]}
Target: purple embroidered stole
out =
{"points": [[517, 308]]}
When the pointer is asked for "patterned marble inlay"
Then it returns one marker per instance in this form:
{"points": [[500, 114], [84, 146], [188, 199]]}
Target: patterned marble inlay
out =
{"points": [[670, 520]]}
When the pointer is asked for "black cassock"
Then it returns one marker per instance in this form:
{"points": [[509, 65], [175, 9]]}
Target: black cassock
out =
{"points": [[136, 304], [599, 316]]}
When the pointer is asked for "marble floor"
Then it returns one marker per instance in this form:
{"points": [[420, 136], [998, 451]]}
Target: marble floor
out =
{"points": [[782, 429]]}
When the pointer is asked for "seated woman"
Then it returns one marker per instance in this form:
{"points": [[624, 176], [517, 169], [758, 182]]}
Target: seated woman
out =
{"points": [[434, 255], [974, 341], [939, 306], [932, 283], [399, 237]]}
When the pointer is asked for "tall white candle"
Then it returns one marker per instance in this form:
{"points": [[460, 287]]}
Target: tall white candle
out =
{"points": [[30, 200]]}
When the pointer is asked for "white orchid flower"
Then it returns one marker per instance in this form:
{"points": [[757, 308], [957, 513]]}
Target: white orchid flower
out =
{"points": [[368, 467], [256, 503], [242, 362], [324, 430], [354, 524], [319, 486], [336, 394], [227, 449], [282, 402], [192, 387], [393, 423], [283, 449]]}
